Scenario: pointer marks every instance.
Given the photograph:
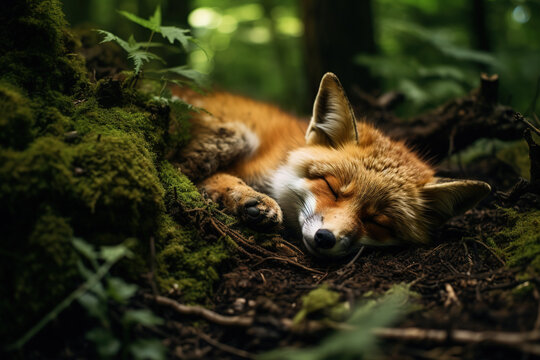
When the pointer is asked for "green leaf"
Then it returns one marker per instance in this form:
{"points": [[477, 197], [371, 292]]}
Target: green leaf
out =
{"points": [[83, 270], [119, 290], [183, 71], [133, 43], [84, 248], [140, 57], [173, 33], [460, 53], [359, 341], [111, 37], [149, 349], [107, 345], [93, 305], [156, 18], [99, 290], [143, 317], [151, 24], [113, 253]]}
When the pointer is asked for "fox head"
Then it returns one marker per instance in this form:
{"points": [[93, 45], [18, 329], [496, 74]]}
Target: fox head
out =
{"points": [[351, 186]]}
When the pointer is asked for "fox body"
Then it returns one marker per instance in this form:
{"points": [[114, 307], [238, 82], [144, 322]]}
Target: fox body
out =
{"points": [[336, 182]]}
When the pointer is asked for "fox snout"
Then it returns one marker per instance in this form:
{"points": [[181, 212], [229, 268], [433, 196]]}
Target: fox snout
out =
{"points": [[326, 240]]}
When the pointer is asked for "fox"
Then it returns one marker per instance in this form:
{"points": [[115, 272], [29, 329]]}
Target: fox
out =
{"points": [[336, 183]]}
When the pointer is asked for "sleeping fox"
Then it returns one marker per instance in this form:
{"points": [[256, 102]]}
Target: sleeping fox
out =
{"points": [[336, 182]]}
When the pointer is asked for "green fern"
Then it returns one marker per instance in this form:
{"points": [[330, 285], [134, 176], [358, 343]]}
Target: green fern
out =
{"points": [[140, 55], [171, 33], [134, 49]]}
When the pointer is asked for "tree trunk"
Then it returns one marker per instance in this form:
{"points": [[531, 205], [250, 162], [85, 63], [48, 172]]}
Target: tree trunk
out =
{"points": [[336, 31], [479, 29]]}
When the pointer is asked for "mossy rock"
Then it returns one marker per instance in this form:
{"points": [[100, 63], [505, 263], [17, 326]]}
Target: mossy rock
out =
{"points": [[16, 118], [520, 242], [86, 160], [37, 49]]}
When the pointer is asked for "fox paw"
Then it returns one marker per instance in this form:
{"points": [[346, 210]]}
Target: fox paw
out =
{"points": [[261, 210]]}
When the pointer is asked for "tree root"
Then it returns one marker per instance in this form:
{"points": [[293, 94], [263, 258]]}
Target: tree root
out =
{"points": [[525, 341], [451, 127], [211, 224]]}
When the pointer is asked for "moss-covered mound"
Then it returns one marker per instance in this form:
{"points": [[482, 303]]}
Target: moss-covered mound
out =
{"points": [[86, 160], [520, 242]]}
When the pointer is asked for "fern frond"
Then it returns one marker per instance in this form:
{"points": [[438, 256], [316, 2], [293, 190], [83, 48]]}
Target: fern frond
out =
{"points": [[184, 72], [154, 23], [140, 57], [108, 36], [173, 33]]}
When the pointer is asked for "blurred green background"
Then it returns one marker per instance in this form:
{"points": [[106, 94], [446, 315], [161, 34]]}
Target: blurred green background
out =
{"points": [[276, 50]]}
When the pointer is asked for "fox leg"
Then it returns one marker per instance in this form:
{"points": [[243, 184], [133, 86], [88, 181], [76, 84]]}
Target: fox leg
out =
{"points": [[215, 146], [240, 199]]}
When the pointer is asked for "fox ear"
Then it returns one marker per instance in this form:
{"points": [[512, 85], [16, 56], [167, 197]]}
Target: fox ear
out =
{"points": [[333, 123], [449, 197]]}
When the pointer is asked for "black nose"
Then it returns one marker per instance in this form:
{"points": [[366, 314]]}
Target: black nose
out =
{"points": [[325, 239]]}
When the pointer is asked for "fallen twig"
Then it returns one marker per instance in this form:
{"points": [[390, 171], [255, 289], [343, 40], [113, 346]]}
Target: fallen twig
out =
{"points": [[525, 341], [255, 251], [242, 321], [289, 261], [491, 251], [224, 347], [452, 297], [521, 340]]}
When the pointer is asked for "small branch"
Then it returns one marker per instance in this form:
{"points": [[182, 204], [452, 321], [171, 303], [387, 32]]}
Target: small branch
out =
{"points": [[531, 126], [244, 245], [534, 155], [226, 348], [291, 262], [242, 321], [452, 297], [353, 260], [491, 251], [513, 339]]}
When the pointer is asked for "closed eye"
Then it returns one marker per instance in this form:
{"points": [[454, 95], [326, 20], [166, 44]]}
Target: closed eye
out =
{"points": [[382, 223], [331, 189]]}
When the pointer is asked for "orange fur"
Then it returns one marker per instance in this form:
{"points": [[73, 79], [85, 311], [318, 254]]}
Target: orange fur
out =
{"points": [[278, 131]]}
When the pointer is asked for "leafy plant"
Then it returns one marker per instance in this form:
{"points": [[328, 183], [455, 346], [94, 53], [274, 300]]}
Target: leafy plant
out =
{"points": [[358, 340], [113, 337], [99, 294], [140, 54], [435, 70]]}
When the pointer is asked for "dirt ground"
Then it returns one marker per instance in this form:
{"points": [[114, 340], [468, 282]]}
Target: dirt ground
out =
{"points": [[463, 284]]}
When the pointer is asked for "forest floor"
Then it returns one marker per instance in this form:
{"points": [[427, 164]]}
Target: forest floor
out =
{"points": [[462, 282]]}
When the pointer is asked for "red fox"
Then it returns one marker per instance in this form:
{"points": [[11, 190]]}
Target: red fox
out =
{"points": [[336, 182]]}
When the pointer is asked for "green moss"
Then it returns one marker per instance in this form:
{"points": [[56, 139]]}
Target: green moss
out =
{"points": [[85, 160], [16, 117], [37, 51], [520, 242], [516, 154], [322, 301], [36, 273], [191, 269], [179, 188], [186, 261]]}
